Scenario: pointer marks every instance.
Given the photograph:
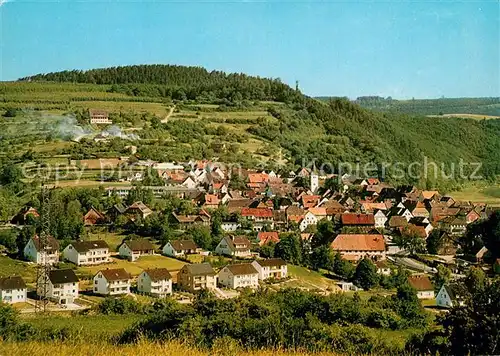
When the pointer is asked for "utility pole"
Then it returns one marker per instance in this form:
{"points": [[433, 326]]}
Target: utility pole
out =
{"points": [[44, 267]]}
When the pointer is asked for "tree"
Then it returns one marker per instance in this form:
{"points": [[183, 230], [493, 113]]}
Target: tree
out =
{"points": [[475, 280], [289, 249], [10, 174], [442, 276], [201, 236], [483, 233], [434, 242], [322, 257], [23, 237], [8, 239], [410, 240], [366, 275], [342, 267], [325, 233]]}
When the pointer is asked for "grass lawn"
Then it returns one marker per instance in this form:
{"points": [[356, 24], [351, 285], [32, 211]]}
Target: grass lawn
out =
{"points": [[12, 267], [308, 279], [91, 326], [135, 268], [479, 194]]}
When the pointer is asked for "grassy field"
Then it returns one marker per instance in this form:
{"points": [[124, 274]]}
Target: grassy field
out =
{"points": [[11, 267], [304, 278], [89, 326], [479, 194], [468, 116]]}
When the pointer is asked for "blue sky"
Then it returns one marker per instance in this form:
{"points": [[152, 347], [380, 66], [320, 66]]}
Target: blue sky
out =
{"points": [[403, 49]]}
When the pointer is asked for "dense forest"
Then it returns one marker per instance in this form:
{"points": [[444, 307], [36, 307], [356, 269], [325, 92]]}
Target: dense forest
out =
{"points": [[177, 82]]}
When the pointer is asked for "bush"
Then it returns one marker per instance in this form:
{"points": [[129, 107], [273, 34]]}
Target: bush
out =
{"points": [[122, 305]]}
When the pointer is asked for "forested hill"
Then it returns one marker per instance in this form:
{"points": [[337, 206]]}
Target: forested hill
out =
{"points": [[332, 131], [442, 106], [177, 82]]}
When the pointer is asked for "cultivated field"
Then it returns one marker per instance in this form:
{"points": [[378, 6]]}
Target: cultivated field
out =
{"points": [[479, 194]]}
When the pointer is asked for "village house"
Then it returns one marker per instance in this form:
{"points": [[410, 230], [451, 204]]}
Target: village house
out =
{"points": [[266, 237], [454, 225], [357, 246], [84, 253], [185, 221], [259, 217], [423, 285], [422, 222], [417, 208], [242, 275], [210, 201], [62, 286], [230, 226], [274, 268], [12, 290], [295, 214], [237, 246], [400, 210], [138, 209], [156, 282], [357, 220], [94, 217], [380, 219], [133, 249], [449, 296], [25, 216], [99, 117], [112, 282], [33, 252], [180, 248], [195, 277], [396, 222], [309, 220], [383, 268]]}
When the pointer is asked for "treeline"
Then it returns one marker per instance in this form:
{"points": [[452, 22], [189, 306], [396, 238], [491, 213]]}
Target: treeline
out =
{"points": [[480, 106], [177, 82]]}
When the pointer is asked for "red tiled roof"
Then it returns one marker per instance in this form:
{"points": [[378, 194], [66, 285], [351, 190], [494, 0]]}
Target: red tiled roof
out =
{"points": [[358, 242], [357, 219], [420, 282], [257, 212], [265, 237], [258, 177]]}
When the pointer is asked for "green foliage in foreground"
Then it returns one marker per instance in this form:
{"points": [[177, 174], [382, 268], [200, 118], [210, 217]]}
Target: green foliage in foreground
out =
{"points": [[287, 319]]}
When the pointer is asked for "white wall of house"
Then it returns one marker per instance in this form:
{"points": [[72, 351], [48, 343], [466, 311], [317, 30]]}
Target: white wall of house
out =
{"points": [[227, 279], [102, 286], [169, 250], [223, 248], [160, 288], [33, 255], [266, 272], [380, 219], [426, 294], [360, 254], [12, 296], [91, 257], [309, 219], [230, 226], [64, 293]]}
